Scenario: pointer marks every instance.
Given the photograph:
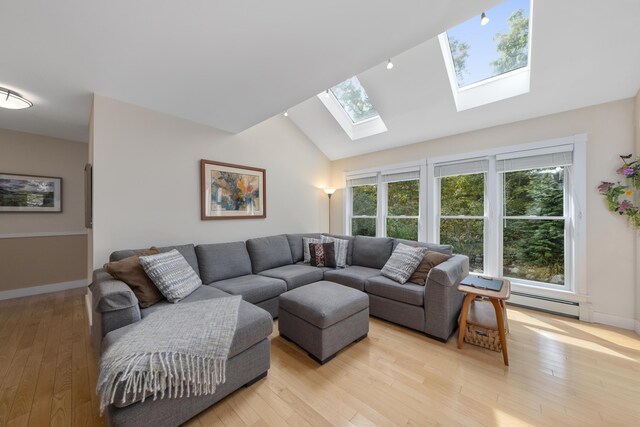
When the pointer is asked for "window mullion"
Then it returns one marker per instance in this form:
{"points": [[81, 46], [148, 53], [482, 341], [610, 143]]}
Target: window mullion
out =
{"points": [[493, 226], [382, 207]]}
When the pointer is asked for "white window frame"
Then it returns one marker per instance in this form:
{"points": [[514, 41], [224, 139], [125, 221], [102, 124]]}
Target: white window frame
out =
{"points": [[496, 88], [382, 196], [361, 129], [575, 287]]}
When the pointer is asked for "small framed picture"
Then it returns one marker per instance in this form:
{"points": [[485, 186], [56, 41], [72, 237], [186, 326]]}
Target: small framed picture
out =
{"points": [[232, 191], [30, 193]]}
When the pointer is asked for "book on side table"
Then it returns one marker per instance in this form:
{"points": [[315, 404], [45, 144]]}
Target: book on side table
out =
{"points": [[481, 282]]}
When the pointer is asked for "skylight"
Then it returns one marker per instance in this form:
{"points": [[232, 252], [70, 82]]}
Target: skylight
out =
{"points": [[350, 105], [480, 52], [488, 63], [354, 100]]}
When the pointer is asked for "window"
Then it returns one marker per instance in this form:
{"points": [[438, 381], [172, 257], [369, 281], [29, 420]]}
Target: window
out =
{"points": [[365, 206], [488, 63], [462, 216], [350, 105], [387, 203], [402, 219], [354, 100], [515, 213]]}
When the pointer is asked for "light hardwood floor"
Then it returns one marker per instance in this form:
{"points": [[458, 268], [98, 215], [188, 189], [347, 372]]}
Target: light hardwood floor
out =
{"points": [[562, 372]]}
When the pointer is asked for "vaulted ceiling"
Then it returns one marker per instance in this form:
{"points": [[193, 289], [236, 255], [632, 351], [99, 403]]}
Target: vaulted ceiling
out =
{"points": [[233, 64]]}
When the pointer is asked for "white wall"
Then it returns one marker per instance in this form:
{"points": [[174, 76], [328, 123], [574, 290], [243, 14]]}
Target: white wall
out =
{"points": [[147, 179], [636, 129], [611, 241]]}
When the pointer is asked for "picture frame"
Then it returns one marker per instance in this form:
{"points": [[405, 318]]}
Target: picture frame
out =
{"points": [[231, 191], [30, 193]]}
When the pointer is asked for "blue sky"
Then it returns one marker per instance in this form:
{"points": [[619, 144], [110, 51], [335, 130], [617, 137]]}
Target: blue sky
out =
{"points": [[480, 38]]}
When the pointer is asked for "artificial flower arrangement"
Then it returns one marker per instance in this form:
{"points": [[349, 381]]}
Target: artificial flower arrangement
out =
{"points": [[618, 194]]}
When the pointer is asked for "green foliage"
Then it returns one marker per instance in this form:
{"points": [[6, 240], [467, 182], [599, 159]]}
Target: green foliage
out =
{"points": [[617, 194], [403, 228], [459, 54], [462, 195], [363, 227], [512, 45], [365, 200], [467, 238], [354, 99], [404, 198]]}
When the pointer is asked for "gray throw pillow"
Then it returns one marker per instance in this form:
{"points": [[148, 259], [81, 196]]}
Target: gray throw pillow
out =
{"points": [[403, 262], [341, 249], [172, 274], [305, 246]]}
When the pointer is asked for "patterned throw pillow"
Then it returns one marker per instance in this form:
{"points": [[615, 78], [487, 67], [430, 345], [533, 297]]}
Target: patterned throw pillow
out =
{"points": [[430, 260], [322, 254], [172, 274], [403, 262], [341, 248], [305, 247]]}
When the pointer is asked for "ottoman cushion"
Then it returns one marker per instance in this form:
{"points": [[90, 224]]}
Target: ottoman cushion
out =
{"points": [[324, 303]]}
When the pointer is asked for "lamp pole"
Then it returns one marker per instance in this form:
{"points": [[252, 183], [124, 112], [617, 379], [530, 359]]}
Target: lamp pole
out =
{"points": [[329, 192]]}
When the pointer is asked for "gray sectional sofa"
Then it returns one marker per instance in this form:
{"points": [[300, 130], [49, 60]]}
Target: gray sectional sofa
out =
{"points": [[260, 270]]}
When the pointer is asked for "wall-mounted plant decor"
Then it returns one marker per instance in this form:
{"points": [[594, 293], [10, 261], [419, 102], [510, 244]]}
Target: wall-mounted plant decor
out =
{"points": [[619, 195]]}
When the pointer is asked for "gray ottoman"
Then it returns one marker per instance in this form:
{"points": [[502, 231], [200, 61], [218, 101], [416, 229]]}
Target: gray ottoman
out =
{"points": [[323, 318]]}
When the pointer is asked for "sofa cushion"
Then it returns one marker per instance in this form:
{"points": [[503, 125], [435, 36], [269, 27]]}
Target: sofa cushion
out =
{"points": [[187, 251], [430, 260], [322, 254], [324, 303], [403, 262], [254, 325], [110, 294], [295, 275], [354, 276], [220, 261], [408, 293], [254, 288], [269, 252], [131, 272], [172, 274], [371, 252], [349, 239], [202, 293], [444, 249], [295, 244], [341, 249]]}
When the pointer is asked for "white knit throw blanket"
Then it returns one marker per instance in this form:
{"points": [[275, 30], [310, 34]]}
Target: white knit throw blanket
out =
{"points": [[177, 351]]}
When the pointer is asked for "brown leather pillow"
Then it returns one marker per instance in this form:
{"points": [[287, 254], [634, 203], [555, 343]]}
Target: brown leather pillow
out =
{"points": [[430, 260], [131, 272]]}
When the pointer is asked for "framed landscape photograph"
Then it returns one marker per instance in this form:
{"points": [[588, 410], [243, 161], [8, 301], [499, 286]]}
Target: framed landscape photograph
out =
{"points": [[232, 191], [30, 193]]}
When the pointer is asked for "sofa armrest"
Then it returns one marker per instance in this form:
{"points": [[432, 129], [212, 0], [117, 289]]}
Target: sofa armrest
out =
{"points": [[110, 294], [114, 305], [442, 300]]}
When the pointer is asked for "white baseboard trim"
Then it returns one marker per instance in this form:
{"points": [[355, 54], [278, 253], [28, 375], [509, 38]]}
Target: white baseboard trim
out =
{"points": [[44, 289], [613, 320]]}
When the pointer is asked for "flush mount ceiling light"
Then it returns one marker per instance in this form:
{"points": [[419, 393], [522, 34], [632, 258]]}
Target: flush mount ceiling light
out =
{"points": [[12, 100], [389, 64], [286, 113], [483, 19]]}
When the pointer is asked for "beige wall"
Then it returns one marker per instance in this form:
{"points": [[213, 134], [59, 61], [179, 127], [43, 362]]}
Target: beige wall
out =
{"points": [[611, 242], [27, 262], [147, 179]]}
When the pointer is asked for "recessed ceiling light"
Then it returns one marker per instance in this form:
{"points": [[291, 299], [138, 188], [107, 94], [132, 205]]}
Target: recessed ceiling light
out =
{"points": [[483, 19], [286, 113], [12, 100], [389, 64]]}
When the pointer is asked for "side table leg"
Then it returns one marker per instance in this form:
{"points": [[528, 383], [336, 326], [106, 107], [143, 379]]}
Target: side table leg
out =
{"points": [[503, 338], [463, 318]]}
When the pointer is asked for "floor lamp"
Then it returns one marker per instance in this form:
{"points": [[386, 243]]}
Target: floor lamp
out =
{"points": [[329, 192]]}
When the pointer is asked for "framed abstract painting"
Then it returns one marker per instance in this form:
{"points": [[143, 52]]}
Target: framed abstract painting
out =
{"points": [[30, 193], [232, 191]]}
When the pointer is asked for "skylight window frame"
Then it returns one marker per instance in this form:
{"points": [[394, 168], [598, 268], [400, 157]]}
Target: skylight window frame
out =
{"points": [[493, 89], [355, 130]]}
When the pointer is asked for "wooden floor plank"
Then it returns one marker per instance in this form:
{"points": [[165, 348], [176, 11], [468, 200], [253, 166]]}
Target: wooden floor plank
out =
{"points": [[562, 373]]}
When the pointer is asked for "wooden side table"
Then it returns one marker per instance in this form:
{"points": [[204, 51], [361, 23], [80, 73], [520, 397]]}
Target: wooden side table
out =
{"points": [[478, 318]]}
